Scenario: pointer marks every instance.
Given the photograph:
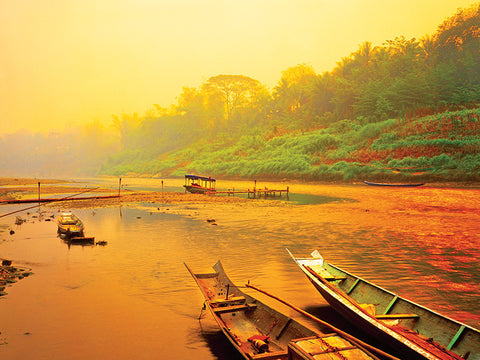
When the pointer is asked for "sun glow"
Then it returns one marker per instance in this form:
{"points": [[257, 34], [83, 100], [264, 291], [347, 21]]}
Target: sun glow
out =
{"points": [[68, 61]]}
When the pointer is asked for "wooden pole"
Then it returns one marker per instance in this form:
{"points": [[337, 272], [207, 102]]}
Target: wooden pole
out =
{"points": [[119, 185], [330, 326], [39, 192]]}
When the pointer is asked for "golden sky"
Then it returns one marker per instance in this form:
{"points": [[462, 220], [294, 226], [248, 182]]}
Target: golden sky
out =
{"points": [[76, 61]]}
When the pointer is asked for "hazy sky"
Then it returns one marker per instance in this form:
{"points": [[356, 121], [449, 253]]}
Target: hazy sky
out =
{"points": [[75, 61]]}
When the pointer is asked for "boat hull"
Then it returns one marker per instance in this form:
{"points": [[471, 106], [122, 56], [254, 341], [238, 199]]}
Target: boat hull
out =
{"points": [[70, 233], [398, 322], [69, 225], [244, 320], [366, 326], [392, 185], [198, 189]]}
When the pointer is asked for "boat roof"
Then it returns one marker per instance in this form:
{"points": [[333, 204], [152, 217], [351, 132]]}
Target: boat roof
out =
{"points": [[195, 177]]}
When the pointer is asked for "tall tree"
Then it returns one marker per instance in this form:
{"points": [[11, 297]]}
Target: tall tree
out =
{"points": [[234, 91], [293, 94]]}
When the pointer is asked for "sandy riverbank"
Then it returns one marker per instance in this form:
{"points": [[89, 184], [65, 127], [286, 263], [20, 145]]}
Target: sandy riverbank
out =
{"points": [[19, 188]]}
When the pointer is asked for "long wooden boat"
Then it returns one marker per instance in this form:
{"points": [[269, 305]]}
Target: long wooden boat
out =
{"points": [[199, 184], [391, 184], [69, 225], [258, 331], [416, 331]]}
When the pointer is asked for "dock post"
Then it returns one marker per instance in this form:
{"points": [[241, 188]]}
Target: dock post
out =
{"points": [[39, 192], [119, 185]]}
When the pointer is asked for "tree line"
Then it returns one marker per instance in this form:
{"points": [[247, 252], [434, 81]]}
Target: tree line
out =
{"points": [[399, 79]]}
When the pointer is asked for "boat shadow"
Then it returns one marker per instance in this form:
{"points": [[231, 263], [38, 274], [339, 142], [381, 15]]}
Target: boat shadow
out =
{"points": [[76, 241], [218, 344]]}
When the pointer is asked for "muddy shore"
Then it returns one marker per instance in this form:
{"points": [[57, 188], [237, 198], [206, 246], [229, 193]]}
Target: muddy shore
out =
{"points": [[17, 188]]}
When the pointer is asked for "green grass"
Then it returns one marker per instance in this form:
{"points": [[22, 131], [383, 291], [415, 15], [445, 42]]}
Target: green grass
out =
{"points": [[436, 147]]}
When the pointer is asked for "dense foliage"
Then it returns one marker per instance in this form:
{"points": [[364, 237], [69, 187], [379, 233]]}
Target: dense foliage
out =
{"points": [[438, 147], [373, 115]]}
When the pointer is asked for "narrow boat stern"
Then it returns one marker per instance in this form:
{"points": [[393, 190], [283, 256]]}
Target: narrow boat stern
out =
{"points": [[325, 347]]}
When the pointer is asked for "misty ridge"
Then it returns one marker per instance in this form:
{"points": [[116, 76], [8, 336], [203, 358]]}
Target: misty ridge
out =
{"points": [[408, 108], [74, 152]]}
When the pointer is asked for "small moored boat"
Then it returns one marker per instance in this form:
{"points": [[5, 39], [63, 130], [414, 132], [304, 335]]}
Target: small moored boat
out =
{"points": [[69, 225], [199, 184], [391, 184], [258, 331], [417, 332]]}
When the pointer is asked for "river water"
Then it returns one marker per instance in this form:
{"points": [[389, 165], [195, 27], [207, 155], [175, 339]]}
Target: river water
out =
{"points": [[133, 298]]}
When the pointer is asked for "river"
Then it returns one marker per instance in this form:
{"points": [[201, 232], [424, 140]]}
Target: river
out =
{"points": [[133, 297]]}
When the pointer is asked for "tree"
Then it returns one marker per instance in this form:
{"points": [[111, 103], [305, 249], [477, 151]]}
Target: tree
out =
{"points": [[191, 105], [457, 49], [126, 127], [322, 93], [293, 94], [234, 92]]}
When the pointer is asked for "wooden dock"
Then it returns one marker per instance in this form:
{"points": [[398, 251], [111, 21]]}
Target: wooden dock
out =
{"points": [[256, 193]]}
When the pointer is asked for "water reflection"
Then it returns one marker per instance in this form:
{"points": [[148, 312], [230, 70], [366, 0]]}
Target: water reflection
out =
{"points": [[134, 298], [176, 185]]}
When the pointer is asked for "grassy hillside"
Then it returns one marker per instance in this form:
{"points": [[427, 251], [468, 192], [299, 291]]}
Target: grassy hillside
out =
{"points": [[439, 147], [378, 115]]}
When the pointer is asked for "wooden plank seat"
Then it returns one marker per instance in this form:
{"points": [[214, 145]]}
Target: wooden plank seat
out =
{"points": [[396, 316], [274, 355], [232, 308], [335, 278], [233, 299]]}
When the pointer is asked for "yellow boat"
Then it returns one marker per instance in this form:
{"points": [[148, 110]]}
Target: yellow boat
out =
{"points": [[69, 225]]}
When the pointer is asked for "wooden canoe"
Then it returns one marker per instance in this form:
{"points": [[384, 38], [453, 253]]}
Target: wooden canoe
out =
{"points": [[391, 184], [258, 331], [415, 331]]}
